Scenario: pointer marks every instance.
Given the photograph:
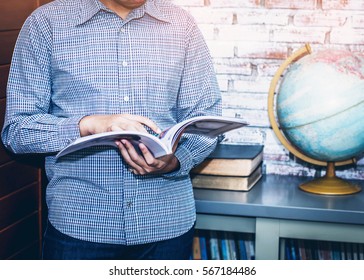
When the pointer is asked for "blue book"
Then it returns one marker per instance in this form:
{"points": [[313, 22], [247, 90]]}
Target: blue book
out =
{"points": [[242, 250], [214, 246], [224, 245], [203, 247]]}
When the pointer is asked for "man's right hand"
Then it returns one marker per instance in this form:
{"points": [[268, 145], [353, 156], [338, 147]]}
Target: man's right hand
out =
{"points": [[102, 123]]}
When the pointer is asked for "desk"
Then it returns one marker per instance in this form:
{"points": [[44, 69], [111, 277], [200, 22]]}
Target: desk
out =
{"points": [[276, 208]]}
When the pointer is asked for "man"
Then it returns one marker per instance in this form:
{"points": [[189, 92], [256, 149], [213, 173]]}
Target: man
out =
{"points": [[87, 66]]}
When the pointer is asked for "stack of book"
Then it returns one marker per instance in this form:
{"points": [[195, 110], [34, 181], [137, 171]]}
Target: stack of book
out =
{"points": [[230, 167]]}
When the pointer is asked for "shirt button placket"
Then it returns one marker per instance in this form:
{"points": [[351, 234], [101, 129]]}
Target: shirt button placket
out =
{"points": [[124, 74]]}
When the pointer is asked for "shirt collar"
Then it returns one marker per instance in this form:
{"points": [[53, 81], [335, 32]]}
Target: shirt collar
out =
{"points": [[88, 9], [92, 7]]}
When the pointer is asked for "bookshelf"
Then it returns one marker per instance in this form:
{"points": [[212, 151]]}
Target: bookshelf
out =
{"points": [[275, 210]]}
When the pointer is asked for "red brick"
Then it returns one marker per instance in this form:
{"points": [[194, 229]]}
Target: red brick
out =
{"points": [[261, 50]]}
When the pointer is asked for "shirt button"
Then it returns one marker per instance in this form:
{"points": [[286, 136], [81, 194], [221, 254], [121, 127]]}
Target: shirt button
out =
{"points": [[122, 30], [126, 98], [129, 204], [125, 63]]}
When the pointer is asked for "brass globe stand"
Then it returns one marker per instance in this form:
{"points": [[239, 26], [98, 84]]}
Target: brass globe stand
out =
{"points": [[330, 184]]}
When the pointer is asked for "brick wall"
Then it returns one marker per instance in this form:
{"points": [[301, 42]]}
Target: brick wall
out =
{"points": [[20, 184], [249, 39]]}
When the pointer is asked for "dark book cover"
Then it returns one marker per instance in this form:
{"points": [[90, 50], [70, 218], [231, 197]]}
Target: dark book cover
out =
{"points": [[236, 151]]}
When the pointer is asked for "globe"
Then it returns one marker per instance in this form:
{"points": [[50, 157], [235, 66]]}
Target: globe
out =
{"points": [[320, 111]]}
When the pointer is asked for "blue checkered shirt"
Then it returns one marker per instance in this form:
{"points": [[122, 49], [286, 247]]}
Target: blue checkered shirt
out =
{"points": [[75, 58]]}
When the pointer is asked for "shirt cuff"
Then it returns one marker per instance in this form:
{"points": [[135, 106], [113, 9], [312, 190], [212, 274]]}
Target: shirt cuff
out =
{"points": [[69, 130], [185, 161]]}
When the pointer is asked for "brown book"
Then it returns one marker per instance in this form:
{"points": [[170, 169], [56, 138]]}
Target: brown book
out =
{"points": [[231, 160], [233, 183], [196, 249]]}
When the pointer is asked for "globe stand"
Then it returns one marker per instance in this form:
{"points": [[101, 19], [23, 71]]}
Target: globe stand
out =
{"points": [[330, 184]]}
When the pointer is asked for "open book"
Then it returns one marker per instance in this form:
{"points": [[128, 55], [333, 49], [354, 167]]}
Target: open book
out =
{"points": [[162, 144]]}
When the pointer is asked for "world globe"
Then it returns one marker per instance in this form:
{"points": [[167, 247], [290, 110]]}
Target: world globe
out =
{"points": [[318, 112]]}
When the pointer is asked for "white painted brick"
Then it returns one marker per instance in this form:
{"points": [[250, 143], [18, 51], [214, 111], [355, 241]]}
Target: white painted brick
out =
{"points": [[358, 20], [343, 5], [261, 50], [235, 3], [347, 36], [242, 33], [207, 31], [319, 18], [249, 101], [213, 16], [268, 69], [299, 35], [223, 83], [233, 66], [221, 49], [280, 168], [253, 117], [259, 85], [289, 4], [248, 135], [189, 3], [262, 17]]}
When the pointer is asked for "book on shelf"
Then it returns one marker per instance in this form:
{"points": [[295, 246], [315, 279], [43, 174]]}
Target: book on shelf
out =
{"points": [[241, 248], [214, 246], [164, 143], [231, 160], [196, 248], [203, 246], [232, 183], [250, 248], [224, 246]]}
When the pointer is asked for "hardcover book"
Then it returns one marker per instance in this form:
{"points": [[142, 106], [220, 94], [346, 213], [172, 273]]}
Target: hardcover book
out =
{"points": [[164, 143], [232, 183], [231, 160]]}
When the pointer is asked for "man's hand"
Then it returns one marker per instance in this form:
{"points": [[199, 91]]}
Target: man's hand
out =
{"points": [[102, 123], [140, 164], [146, 163]]}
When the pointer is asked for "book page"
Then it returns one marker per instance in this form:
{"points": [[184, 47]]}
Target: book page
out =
{"points": [[210, 126]]}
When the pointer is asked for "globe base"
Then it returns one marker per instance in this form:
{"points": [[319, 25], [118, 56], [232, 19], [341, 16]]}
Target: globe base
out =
{"points": [[330, 186]]}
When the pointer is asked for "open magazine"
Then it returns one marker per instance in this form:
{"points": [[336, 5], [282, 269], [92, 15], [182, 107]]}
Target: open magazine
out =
{"points": [[162, 144]]}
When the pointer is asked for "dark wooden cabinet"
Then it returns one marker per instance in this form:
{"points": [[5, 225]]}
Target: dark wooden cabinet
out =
{"points": [[20, 177]]}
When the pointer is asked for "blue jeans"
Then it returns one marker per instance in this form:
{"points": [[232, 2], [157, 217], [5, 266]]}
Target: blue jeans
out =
{"points": [[58, 246]]}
